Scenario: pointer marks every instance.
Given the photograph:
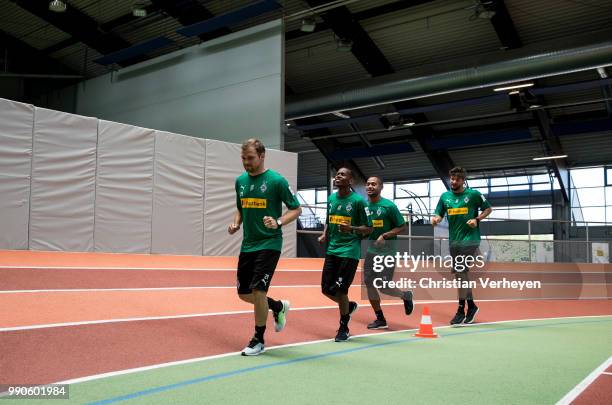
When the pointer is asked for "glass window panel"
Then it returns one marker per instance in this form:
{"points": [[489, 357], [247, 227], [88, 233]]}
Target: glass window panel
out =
{"points": [[609, 195], [540, 178], [593, 177], [541, 213], [591, 196], [478, 183], [609, 214], [387, 191], [521, 187], [406, 190], [436, 187], [499, 181], [595, 214], [321, 196], [518, 180], [519, 213], [482, 190], [609, 175], [499, 189], [556, 184], [540, 187], [308, 195]]}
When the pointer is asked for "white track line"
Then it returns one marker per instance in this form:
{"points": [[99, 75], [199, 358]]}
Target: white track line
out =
{"points": [[199, 359], [156, 318], [606, 373], [582, 385]]}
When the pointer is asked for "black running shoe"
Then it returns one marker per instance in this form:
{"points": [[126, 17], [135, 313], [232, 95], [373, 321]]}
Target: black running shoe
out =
{"points": [[342, 335], [458, 318], [408, 304], [378, 324], [471, 314]]}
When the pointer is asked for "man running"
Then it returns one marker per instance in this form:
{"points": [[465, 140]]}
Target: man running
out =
{"points": [[347, 221], [387, 223], [259, 197], [461, 205]]}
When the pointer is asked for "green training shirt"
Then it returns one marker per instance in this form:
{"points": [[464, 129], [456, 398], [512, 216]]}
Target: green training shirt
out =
{"points": [[384, 216], [351, 209], [460, 208], [257, 197]]}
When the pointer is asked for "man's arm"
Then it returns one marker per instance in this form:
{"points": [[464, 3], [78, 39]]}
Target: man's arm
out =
{"points": [[394, 232], [289, 217], [235, 226], [323, 236]]}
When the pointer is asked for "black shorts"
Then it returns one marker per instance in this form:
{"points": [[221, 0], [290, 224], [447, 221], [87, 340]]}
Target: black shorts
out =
{"points": [[459, 254], [255, 270], [338, 274], [369, 273]]}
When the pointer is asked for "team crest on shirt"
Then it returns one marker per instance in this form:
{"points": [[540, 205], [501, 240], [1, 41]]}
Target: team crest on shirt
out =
{"points": [[456, 200], [378, 211], [339, 207], [252, 187], [466, 200], [349, 207], [263, 187]]}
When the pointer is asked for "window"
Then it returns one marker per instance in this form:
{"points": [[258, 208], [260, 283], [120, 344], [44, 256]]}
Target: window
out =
{"points": [[609, 176], [593, 177], [594, 214], [387, 191], [411, 189]]}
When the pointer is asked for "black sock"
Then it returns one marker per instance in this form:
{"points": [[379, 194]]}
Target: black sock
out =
{"points": [[344, 320], [471, 303], [379, 315], [259, 332], [462, 304], [275, 306]]}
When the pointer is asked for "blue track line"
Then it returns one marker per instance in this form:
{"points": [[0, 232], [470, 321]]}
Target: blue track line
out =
{"points": [[246, 370]]}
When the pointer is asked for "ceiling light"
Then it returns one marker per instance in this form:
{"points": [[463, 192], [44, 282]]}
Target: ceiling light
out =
{"points": [[535, 106], [57, 6], [340, 114], [139, 8], [308, 24], [513, 86], [408, 124], [514, 92], [344, 45], [550, 157], [602, 72]]}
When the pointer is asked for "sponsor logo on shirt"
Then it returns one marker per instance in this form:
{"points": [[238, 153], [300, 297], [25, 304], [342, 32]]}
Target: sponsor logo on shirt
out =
{"points": [[378, 223], [458, 211], [339, 219], [254, 202]]}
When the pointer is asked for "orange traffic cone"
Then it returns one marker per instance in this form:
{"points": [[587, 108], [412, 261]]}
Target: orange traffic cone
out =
{"points": [[426, 328]]}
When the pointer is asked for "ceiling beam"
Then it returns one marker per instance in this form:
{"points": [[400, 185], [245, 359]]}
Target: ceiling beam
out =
{"points": [[189, 12], [82, 27], [553, 147], [504, 26]]}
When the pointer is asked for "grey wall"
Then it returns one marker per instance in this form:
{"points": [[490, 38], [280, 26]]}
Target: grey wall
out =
{"points": [[229, 89]]}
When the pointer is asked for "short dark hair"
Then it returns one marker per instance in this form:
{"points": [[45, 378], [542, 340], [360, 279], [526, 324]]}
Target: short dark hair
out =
{"points": [[380, 179], [254, 143], [458, 171], [347, 169]]}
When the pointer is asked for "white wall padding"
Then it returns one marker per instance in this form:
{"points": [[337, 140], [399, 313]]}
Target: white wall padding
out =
{"points": [[124, 188], [63, 181], [223, 165], [178, 194], [16, 122]]}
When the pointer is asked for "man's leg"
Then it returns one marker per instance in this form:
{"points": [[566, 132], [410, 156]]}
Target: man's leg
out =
{"points": [[369, 275]]}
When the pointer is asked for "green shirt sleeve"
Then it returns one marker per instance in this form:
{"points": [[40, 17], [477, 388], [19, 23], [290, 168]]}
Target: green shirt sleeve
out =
{"points": [[440, 208], [287, 195], [397, 219]]}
